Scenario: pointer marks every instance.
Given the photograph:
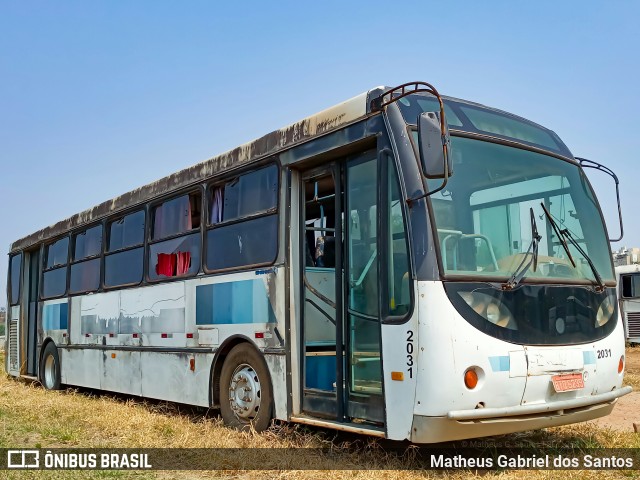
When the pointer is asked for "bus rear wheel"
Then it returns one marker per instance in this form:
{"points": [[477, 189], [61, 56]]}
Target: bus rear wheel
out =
{"points": [[246, 398], [50, 368]]}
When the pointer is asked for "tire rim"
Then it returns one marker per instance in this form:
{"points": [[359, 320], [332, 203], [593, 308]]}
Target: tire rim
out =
{"points": [[49, 372], [244, 392]]}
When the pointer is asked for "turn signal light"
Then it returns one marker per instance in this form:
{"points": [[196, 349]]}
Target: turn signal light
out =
{"points": [[470, 379], [621, 364]]}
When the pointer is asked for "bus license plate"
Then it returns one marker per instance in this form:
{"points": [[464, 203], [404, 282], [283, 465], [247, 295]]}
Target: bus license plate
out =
{"points": [[567, 383]]}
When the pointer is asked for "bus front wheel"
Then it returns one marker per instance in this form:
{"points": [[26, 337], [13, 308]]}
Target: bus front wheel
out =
{"points": [[246, 398], [50, 368]]}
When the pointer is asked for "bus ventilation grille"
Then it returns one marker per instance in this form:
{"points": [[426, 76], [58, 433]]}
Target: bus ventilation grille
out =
{"points": [[633, 324], [13, 345]]}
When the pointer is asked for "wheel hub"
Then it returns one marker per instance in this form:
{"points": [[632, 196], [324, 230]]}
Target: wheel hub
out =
{"points": [[49, 371], [244, 392]]}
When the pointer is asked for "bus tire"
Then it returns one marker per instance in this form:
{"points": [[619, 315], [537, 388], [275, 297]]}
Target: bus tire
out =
{"points": [[50, 368], [246, 398]]}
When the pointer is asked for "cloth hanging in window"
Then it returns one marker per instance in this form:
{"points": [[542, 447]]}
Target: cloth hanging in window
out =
{"points": [[216, 208], [166, 264], [183, 262]]}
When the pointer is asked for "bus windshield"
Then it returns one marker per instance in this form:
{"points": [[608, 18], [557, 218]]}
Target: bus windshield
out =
{"points": [[483, 216]]}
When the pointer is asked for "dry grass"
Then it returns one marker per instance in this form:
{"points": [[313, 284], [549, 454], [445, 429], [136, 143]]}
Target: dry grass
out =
{"points": [[632, 374], [31, 417]]}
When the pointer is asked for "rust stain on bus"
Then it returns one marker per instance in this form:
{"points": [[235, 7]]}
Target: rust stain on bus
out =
{"points": [[268, 145]]}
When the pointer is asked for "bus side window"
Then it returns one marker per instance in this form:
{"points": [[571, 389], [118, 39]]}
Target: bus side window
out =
{"points": [[54, 278], [243, 220], [85, 266], [178, 253], [124, 254], [14, 278], [397, 258], [630, 285]]}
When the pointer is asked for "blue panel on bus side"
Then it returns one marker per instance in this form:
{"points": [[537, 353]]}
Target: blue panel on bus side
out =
{"points": [[500, 364], [244, 301], [55, 316]]}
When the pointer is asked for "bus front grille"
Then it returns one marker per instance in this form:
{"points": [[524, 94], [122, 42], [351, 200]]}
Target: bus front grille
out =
{"points": [[633, 324], [13, 345]]}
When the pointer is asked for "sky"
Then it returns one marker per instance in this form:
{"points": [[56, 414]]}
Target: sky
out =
{"points": [[98, 98]]}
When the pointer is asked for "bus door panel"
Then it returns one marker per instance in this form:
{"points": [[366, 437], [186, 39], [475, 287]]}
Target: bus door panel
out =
{"points": [[342, 370], [364, 377], [322, 294], [32, 283]]}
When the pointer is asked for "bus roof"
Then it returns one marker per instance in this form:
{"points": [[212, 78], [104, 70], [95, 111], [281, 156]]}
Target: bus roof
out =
{"points": [[325, 121], [634, 267], [272, 143]]}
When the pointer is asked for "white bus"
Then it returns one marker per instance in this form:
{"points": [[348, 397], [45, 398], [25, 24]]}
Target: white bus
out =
{"points": [[629, 300], [402, 264]]}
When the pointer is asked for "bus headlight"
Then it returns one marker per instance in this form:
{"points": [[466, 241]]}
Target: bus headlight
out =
{"points": [[605, 312], [490, 308]]}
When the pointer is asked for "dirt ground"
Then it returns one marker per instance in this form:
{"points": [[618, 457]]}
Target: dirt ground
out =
{"points": [[627, 409]]}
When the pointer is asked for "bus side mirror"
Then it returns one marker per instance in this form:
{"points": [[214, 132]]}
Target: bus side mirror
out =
{"points": [[586, 163], [434, 146]]}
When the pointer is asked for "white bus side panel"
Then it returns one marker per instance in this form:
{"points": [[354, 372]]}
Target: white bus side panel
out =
{"points": [[397, 343], [170, 316], [121, 372], [278, 370], [81, 367], [167, 376]]}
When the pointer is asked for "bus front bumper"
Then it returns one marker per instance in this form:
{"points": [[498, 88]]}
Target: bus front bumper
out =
{"points": [[483, 422]]}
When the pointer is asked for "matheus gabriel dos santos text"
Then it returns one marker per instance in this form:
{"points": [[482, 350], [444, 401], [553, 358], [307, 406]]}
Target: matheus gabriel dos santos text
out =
{"points": [[531, 461]]}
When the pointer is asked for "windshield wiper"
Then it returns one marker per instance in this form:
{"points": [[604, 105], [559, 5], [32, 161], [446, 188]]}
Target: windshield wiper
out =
{"points": [[523, 268], [564, 232], [559, 234]]}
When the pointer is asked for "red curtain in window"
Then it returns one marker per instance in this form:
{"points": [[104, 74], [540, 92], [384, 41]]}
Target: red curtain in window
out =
{"points": [[166, 264], [183, 263], [172, 264]]}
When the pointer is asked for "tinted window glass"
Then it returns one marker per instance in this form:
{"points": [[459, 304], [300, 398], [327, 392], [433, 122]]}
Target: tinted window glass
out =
{"points": [[428, 104], [126, 231], [476, 118], [177, 215], [248, 194], [57, 253], [175, 257], [362, 207], [505, 126], [397, 257], [15, 278], [54, 282], [630, 285], [85, 276], [246, 243], [88, 243], [123, 268]]}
